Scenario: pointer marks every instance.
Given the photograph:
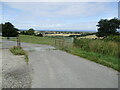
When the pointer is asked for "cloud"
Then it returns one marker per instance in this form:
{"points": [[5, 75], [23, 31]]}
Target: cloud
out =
{"points": [[67, 16], [84, 9], [61, 9]]}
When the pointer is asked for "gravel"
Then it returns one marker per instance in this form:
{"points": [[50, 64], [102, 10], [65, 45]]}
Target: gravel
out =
{"points": [[15, 71]]}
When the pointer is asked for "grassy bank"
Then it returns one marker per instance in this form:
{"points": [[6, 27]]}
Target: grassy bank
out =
{"points": [[19, 51], [98, 46], [105, 60], [105, 52]]}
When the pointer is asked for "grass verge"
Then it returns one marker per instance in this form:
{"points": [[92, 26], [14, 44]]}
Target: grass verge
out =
{"points": [[105, 60], [19, 51]]}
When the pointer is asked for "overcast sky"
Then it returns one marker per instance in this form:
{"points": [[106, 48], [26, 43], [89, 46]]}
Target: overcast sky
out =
{"points": [[58, 15]]}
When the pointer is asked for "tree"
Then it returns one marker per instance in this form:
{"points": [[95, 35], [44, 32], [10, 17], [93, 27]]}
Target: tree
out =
{"points": [[8, 30], [30, 32], [108, 27], [23, 32]]}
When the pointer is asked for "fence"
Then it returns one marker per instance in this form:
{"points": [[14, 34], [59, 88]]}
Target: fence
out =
{"points": [[65, 42]]}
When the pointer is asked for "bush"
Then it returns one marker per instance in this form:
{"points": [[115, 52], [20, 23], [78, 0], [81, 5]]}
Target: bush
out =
{"points": [[115, 38]]}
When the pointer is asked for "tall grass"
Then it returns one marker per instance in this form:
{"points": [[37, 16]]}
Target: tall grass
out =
{"points": [[115, 38], [98, 46], [105, 52]]}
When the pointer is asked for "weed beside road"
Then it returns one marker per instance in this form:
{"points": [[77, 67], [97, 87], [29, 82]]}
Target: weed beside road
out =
{"points": [[19, 51]]}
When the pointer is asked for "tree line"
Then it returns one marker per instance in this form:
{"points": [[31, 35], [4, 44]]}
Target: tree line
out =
{"points": [[31, 31], [8, 30], [106, 27]]}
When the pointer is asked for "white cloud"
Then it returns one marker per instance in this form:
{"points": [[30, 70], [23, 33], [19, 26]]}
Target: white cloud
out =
{"points": [[84, 9], [61, 9], [55, 15]]}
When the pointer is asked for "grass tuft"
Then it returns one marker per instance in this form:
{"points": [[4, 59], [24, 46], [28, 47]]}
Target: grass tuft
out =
{"points": [[19, 51]]}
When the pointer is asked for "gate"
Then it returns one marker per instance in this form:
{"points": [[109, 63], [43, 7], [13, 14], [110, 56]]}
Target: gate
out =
{"points": [[65, 42]]}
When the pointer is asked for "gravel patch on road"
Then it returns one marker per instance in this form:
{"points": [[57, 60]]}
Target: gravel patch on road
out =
{"points": [[15, 71]]}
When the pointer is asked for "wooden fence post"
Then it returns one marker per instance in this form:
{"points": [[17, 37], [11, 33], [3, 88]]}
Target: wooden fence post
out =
{"points": [[18, 42]]}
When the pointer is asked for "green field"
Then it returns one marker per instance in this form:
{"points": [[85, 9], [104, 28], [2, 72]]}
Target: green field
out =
{"points": [[36, 39], [104, 52]]}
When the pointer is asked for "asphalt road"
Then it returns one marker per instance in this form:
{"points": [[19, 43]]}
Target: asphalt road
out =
{"points": [[52, 68]]}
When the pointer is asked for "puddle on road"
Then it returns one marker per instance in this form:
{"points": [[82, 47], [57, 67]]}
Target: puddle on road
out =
{"points": [[32, 49]]}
